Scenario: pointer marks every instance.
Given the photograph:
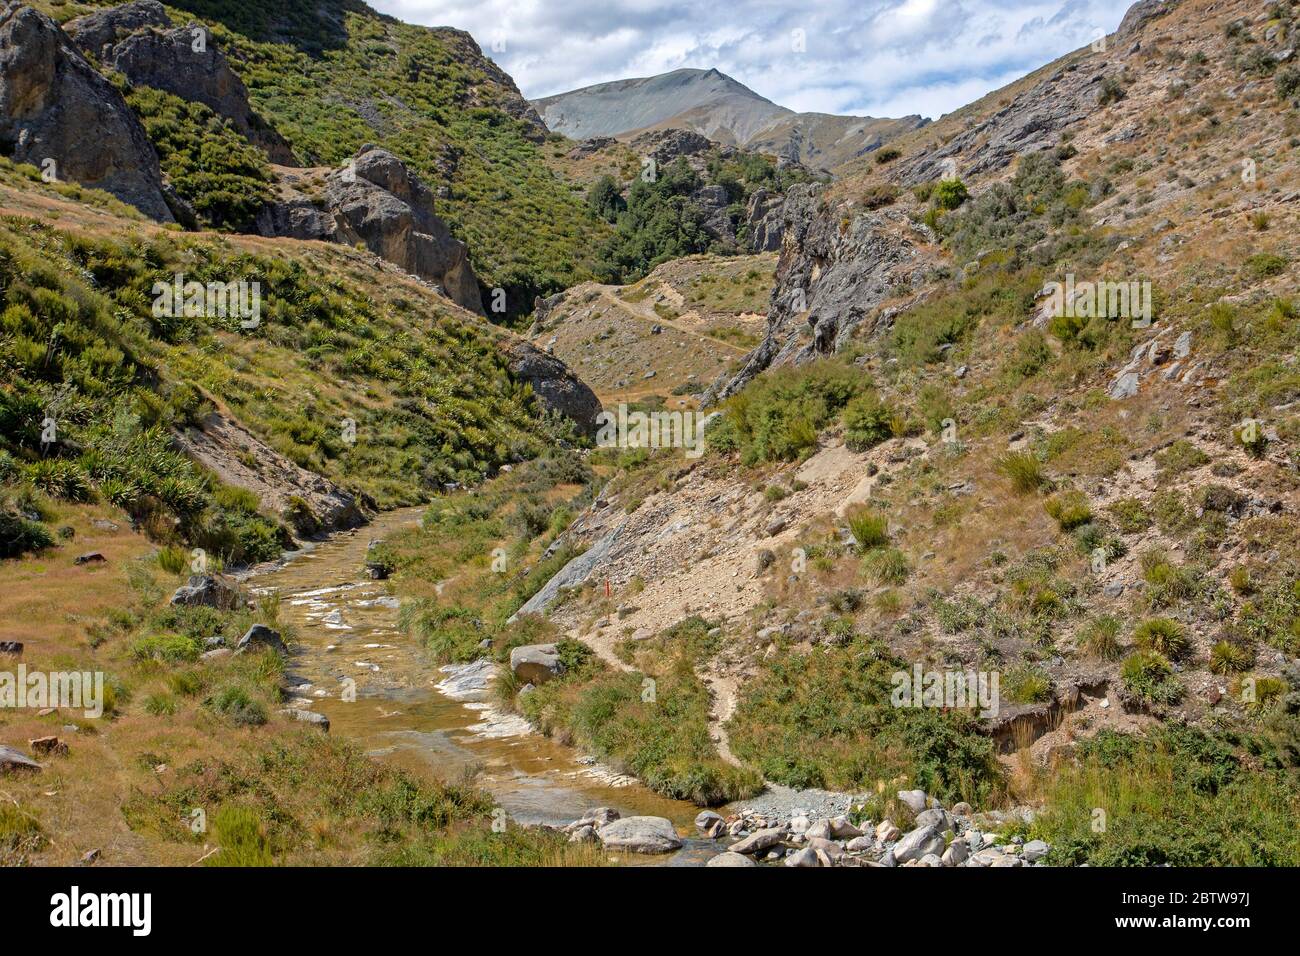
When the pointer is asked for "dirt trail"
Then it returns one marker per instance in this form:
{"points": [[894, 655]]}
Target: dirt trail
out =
{"points": [[645, 312]]}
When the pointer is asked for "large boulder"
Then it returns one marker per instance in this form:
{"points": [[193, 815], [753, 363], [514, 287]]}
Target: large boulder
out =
{"points": [[55, 106], [380, 203], [208, 590], [640, 835], [96, 33], [259, 636], [919, 843], [135, 40], [730, 859], [11, 759], [536, 663], [554, 384], [759, 840]]}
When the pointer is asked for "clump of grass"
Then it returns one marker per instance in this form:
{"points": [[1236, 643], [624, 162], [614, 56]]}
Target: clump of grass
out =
{"points": [[1131, 515], [1241, 580], [1023, 470], [1162, 635], [887, 566], [1227, 657], [1100, 638], [1181, 457], [870, 529], [1167, 583], [1026, 685], [20, 834], [1069, 509], [238, 706], [1148, 676], [241, 834]]}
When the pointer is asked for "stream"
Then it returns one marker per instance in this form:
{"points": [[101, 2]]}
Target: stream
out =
{"points": [[406, 710]]}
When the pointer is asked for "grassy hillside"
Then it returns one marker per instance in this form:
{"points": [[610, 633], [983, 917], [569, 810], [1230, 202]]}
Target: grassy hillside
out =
{"points": [[333, 76], [429, 395]]}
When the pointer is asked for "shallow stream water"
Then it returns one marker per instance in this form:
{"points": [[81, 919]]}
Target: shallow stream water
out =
{"points": [[425, 718]]}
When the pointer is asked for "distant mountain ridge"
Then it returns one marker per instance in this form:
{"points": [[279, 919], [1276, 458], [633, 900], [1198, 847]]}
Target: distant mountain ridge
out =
{"points": [[713, 104]]}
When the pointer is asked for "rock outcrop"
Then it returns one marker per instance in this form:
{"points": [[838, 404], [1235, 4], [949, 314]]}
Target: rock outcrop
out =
{"points": [[377, 202], [138, 40], [55, 107], [829, 281], [554, 384], [239, 458]]}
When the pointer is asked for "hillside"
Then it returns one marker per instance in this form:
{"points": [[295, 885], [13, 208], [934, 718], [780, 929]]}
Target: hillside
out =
{"points": [[331, 77], [716, 106]]}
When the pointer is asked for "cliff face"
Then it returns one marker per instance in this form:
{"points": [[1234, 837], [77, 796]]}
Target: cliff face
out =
{"points": [[54, 106], [140, 41], [835, 279]]}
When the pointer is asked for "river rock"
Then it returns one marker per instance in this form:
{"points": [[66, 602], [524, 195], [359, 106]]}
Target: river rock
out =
{"points": [[914, 800], [710, 824], [259, 635], [595, 818], [640, 835], [583, 834], [807, 857], [841, 829], [730, 859], [956, 853], [1034, 851], [887, 831], [536, 663], [918, 843], [760, 840], [308, 717], [934, 817]]}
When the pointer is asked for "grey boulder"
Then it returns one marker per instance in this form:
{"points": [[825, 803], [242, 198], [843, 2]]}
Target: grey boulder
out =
{"points": [[640, 835]]}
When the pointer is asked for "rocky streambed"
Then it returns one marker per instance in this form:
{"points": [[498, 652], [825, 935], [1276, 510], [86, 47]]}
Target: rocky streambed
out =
{"points": [[935, 836]]}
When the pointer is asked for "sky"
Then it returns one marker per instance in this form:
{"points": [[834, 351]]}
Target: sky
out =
{"points": [[861, 57]]}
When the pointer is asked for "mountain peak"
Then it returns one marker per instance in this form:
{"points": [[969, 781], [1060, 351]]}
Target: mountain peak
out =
{"points": [[720, 107]]}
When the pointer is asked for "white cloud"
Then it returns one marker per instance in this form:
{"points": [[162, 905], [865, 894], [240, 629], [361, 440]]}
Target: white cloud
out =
{"points": [[875, 57]]}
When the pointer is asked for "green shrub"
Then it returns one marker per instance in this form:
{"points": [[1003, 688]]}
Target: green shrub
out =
{"points": [[1131, 514], [238, 706], [949, 194], [777, 415], [867, 422], [18, 535]]}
